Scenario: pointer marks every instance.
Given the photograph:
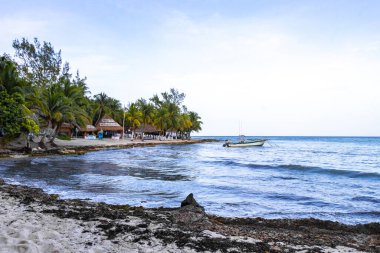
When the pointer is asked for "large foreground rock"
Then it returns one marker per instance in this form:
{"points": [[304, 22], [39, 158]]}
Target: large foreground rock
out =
{"points": [[190, 201]]}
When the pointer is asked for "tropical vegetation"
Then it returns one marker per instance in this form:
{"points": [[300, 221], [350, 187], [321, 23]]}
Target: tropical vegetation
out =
{"points": [[38, 94]]}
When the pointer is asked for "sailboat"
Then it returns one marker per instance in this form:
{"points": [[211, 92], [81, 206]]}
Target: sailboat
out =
{"points": [[243, 142]]}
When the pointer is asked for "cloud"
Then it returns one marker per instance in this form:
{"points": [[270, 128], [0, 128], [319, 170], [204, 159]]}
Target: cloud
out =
{"points": [[234, 69], [278, 74], [13, 27]]}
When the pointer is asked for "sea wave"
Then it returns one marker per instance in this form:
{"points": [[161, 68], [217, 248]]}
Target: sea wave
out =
{"points": [[301, 168], [366, 199], [330, 171]]}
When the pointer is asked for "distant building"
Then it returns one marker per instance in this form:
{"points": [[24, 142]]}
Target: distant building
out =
{"points": [[109, 126]]}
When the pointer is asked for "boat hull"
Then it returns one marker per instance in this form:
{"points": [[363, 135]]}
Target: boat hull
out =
{"points": [[257, 143]]}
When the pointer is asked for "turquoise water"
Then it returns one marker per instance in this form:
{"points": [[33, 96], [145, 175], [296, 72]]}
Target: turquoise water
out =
{"points": [[335, 178]]}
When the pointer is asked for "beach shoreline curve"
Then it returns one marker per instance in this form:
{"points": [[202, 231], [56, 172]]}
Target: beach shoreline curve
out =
{"points": [[84, 226], [81, 146]]}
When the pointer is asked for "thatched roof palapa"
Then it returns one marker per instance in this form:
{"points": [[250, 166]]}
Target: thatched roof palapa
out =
{"points": [[108, 124], [147, 129], [65, 128], [88, 128]]}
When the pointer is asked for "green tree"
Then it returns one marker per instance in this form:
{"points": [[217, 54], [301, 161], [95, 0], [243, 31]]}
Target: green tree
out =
{"points": [[174, 97], [168, 110], [39, 64], [100, 102], [133, 116], [9, 76], [104, 104], [114, 109], [196, 123], [53, 95], [147, 112], [15, 117], [55, 105], [52, 107], [184, 124], [160, 119]]}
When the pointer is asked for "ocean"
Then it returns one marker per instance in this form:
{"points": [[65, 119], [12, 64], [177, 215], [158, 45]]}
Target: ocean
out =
{"points": [[330, 178]]}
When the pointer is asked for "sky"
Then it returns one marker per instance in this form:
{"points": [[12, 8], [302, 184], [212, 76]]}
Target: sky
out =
{"points": [[263, 68]]}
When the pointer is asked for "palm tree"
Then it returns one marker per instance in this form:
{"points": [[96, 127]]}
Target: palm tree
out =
{"points": [[184, 124], [114, 109], [57, 104], [100, 105], [77, 102], [195, 122], [168, 110], [133, 116], [51, 106], [104, 104], [160, 119], [147, 113], [173, 114], [9, 76]]}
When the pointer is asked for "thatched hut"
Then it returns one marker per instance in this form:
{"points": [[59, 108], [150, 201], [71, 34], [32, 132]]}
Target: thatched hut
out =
{"points": [[88, 129], [66, 128], [149, 131], [109, 126]]}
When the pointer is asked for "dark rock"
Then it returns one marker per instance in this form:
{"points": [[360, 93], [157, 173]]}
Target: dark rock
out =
{"points": [[190, 201], [42, 145]]}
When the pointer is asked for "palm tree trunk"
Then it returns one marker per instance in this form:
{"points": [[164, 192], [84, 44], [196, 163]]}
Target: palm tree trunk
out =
{"points": [[133, 131], [99, 116], [143, 131], [57, 128], [41, 144]]}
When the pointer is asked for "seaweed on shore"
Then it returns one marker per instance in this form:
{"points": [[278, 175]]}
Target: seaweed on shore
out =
{"points": [[190, 227]]}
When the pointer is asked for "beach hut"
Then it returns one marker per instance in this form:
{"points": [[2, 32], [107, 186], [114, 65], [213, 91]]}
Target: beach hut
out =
{"points": [[109, 127], [149, 131], [66, 128], [87, 130]]}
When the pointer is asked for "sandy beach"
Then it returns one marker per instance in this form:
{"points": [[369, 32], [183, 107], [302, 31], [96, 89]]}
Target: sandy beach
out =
{"points": [[80, 146], [33, 221], [107, 142]]}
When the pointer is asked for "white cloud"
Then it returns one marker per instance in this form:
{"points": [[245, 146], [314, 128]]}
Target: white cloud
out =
{"points": [[270, 79], [14, 27], [277, 81]]}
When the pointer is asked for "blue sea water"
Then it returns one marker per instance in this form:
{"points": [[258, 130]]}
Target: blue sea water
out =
{"points": [[334, 178]]}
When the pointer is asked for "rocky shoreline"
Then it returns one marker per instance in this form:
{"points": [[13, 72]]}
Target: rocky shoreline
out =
{"points": [[97, 227], [82, 146]]}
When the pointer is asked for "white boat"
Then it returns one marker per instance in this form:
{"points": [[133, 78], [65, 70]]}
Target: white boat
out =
{"points": [[245, 143]]}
